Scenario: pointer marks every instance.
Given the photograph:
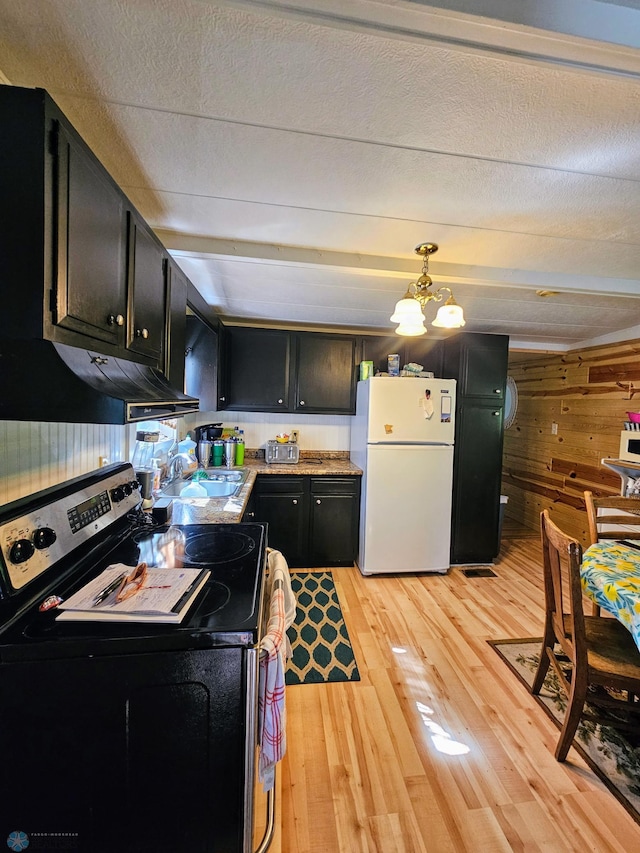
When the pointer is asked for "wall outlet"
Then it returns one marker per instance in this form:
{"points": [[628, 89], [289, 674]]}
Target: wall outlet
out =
{"points": [[294, 436], [554, 428]]}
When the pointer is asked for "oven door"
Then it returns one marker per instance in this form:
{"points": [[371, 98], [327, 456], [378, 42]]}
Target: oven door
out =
{"points": [[136, 753]]}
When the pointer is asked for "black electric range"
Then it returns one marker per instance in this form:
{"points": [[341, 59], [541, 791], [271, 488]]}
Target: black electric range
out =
{"points": [[154, 723]]}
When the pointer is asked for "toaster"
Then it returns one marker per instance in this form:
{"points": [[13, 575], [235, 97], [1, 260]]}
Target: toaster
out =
{"points": [[281, 453]]}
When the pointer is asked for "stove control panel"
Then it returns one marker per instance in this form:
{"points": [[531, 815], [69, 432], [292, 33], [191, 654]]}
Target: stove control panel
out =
{"points": [[33, 542]]}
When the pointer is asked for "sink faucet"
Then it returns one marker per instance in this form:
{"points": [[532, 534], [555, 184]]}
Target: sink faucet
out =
{"points": [[177, 465]]}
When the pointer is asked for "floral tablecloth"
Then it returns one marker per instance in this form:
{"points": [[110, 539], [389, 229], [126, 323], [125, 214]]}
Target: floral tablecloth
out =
{"points": [[610, 575]]}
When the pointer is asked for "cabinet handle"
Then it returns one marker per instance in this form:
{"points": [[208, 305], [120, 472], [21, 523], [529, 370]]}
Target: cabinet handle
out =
{"points": [[302, 402], [222, 399], [280, 400], [142, 333], [318, 501], [115, 320], [497, 391], [294, 502], [495, 413], [249, 515]]}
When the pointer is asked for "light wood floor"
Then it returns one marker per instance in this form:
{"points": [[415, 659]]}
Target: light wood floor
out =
{"points": [[438, 748]]}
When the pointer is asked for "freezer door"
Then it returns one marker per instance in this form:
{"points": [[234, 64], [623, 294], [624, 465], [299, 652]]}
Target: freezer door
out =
{"points": [[406, 509], [410, 410]]}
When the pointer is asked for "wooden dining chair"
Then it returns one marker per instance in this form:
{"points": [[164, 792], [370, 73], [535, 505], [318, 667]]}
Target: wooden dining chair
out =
{"points": [[585, 651], [605, 515]]}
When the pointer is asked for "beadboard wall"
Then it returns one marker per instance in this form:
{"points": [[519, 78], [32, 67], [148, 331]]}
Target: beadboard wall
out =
{"points": [[34, 456], [587, 393], [316, 432]]}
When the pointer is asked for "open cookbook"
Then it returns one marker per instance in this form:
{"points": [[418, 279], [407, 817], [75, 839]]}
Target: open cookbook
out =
{"points": [[125, 594]]}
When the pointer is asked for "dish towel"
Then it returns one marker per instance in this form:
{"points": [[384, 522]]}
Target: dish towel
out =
{"points": [[274, 651]]}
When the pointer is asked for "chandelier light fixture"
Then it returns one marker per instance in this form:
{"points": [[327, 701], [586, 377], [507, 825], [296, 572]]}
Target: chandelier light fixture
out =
{"points": [[408, 311]]}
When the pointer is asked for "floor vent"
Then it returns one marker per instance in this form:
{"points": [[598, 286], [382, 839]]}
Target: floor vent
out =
{"points": [[479, 572]]}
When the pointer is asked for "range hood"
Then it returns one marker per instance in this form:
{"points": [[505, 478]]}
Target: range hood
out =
{"points": [[47, 381]]}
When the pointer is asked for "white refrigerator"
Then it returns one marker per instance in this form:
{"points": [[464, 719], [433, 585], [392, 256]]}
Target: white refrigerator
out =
{"points": [[402, 438]]}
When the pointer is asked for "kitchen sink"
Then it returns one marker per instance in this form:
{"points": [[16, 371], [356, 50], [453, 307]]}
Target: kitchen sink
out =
{"points": [[220, 484]]}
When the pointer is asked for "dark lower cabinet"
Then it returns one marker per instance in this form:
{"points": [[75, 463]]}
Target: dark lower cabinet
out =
{"points": [[334, 511], [283, 503], [479, 364], [313, 521], [476, 494]]}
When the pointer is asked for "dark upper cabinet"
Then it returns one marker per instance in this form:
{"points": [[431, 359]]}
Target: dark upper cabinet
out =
{"points": [[80, 266], [146, 287], [89, 286], [479, 364], [257, 369], [377, 348], [325, 370], [272, 370], [424, 350], [201, 363], [175, 330]]}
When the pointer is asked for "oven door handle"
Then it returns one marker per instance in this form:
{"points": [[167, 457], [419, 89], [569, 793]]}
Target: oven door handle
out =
{"points": [[267, 838]]}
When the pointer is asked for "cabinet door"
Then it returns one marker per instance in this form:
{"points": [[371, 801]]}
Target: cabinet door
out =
{"points": [[377, 348], [146, 290], [477, 475], [257, 369], [90, 281], [334, 510], [283, 503], [425, 351], [325, 374], [201, 363], [479, 363], [176, 325]]}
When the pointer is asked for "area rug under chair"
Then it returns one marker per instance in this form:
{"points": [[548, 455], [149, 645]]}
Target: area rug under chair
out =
{"points": [[614, 756], [319, 638]]}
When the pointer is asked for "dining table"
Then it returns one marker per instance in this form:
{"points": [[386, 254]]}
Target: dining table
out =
{"points": [[610, 576]]}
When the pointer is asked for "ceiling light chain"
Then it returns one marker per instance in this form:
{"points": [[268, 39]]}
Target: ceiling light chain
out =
{"points": [[408, 311]]}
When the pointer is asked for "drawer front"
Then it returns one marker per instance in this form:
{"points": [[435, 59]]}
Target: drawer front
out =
{"points": [[267, 484], [335, 485]]}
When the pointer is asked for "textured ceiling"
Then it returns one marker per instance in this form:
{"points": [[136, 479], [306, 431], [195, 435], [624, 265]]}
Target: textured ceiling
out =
{"points": [[292, 154]]}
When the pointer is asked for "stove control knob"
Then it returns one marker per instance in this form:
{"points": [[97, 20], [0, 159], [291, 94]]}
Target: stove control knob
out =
{"points": [[43, 537], [126, 488], [21, 551], [117, 494]]}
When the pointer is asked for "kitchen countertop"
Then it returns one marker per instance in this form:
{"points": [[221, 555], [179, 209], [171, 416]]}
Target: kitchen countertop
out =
{"points": [[230, 510]]}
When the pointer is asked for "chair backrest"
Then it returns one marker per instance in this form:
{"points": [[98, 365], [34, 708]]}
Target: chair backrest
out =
{"points": [[612, 517], [561, 559]]}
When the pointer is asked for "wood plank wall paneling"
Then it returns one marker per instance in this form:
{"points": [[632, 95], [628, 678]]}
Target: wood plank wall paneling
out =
{"points": [[34, 456], [587, 393]]}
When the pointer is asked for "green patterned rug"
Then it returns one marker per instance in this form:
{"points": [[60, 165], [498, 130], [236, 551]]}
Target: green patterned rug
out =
{"points": [[319, 639], [613, 756]]}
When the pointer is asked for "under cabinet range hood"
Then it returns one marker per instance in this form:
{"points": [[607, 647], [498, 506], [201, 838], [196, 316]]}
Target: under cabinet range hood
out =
{"points": [[46, 381]]}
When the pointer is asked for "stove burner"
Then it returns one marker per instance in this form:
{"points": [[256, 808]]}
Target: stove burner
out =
{"points": [[216, 597], [216, 547]]}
